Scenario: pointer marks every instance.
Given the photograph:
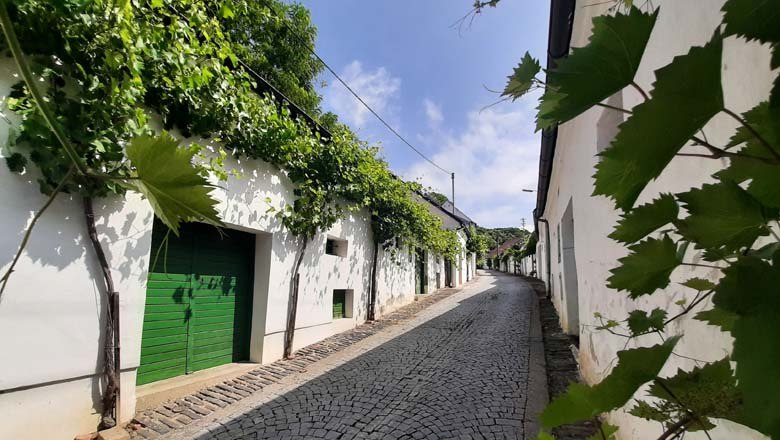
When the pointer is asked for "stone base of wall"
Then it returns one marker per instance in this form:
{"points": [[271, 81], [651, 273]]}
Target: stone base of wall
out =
{"points": [[562, 368]]}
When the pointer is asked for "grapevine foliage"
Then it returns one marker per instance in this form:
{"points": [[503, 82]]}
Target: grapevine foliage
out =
{"points": [[110, 68], [730, 223]]}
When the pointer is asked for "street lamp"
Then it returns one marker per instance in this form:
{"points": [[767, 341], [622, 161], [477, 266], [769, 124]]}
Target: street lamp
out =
{"points": [[525, 190]]}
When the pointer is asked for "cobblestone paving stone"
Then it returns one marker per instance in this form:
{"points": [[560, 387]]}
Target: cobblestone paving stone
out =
{"points": [[463, 374]]}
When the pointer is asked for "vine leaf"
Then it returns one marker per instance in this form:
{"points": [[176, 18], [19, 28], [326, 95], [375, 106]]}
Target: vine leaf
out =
{"points": [[748, 290], [607, 432], [611, 323], [764, 177], [723, 216], [16, 162], [765, 252], [646, 411], [635, 367], [592, 73], [522, 78], [752, 19], [709, 391], [174, 187], [757, 20], [646, 268], [718, 317], [699, 284], [642, 220], [686, 95], [639, 321]]}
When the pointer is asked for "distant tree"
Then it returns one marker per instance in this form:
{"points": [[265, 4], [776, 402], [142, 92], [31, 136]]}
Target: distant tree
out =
{"points": [[274, 39], [476, 243], [496, 236], [437, 197]]}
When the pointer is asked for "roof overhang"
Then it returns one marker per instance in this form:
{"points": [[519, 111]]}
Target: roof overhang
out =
{"points": [[558, 42]]}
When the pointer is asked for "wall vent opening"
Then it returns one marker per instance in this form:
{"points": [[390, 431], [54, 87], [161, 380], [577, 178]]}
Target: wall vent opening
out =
{"points": [[336, 246]]}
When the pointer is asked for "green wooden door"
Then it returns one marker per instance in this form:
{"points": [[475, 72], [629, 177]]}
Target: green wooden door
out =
{"points": [[339, 304], [198, 301], [420, 275]]}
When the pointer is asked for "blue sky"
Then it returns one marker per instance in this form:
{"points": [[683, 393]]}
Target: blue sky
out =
{"points": [[426, 78]]}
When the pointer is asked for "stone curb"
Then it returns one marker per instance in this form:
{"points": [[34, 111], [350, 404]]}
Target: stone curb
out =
{"points": [[562, 367], [176, 414]]}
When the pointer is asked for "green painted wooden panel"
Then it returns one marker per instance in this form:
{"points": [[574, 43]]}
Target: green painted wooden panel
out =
{"points": [[167, 310], [162, 348], [339, 306], [198, 303]]}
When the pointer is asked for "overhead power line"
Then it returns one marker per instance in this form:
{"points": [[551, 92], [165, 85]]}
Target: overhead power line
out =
{"points": [[344, 83]]}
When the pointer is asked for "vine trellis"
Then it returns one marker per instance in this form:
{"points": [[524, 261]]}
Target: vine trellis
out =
{"points": [[729, 226], [94, 74]]}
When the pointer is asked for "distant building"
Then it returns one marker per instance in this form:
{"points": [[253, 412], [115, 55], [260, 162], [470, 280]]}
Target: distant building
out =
{"points": [[465, 266], [507, 265]]}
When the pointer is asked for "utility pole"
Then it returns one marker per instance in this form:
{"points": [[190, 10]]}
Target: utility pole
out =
{"points": [[453, 193]]}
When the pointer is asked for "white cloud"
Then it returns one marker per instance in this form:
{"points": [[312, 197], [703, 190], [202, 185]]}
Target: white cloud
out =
{"points": [[433, 112], [378, 88], [494, 158]]}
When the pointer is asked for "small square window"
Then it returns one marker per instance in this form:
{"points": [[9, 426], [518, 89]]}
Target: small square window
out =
{"points": [[336, 246], [342, 303]]}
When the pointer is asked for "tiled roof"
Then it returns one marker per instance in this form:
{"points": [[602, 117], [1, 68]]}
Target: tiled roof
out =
{"points": [[504, 246]]}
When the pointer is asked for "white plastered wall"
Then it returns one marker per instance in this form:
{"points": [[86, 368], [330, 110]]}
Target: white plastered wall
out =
{"points": [[459, 275], [748, 80], [395, 279], [52, 312]]}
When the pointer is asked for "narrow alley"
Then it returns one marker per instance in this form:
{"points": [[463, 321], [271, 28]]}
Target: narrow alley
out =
{"points": [[468, 366]]}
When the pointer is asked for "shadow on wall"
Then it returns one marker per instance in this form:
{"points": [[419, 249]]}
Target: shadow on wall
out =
{"points": [[360, 259], [60, 248], [244, 204], [245, 196], [396, 278], [355, 228], [446, 370], [59, 276]]}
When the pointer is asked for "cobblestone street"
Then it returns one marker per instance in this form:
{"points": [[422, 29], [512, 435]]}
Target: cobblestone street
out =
{"points": [[469, 366]]}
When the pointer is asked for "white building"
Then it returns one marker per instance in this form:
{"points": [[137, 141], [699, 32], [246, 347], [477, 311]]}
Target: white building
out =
{"points": [[207, 301], [507, 261], [574, 255]]}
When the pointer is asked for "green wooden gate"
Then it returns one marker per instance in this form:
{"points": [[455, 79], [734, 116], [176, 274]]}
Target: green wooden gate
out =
{"points": [[198, 301], [420, 272]]}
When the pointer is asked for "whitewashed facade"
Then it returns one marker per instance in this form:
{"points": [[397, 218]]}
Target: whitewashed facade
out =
{"points": [[52, 313], [574, 225]]}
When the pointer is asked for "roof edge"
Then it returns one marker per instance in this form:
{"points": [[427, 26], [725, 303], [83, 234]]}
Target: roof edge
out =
{"points": [[558, 44]]}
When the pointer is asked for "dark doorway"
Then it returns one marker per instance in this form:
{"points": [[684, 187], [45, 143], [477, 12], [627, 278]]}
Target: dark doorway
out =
{"points": [[447, 272], [420, 272]]}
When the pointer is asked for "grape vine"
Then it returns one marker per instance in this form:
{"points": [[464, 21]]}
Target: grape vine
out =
{"points": [[729, 225], [97, 75]]}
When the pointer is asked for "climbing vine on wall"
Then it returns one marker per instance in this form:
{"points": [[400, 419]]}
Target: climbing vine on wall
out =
{"points": [[105, 82], [727, 227]]}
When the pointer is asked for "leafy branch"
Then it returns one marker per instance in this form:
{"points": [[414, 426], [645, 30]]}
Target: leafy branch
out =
{"points": [[27, 77], [731, 223]]}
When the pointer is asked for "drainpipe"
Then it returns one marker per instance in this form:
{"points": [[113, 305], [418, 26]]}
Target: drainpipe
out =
{"points": [[547, 252]]}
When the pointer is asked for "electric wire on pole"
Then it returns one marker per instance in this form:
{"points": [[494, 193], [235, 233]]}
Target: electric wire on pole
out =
{"points": [[311, 50]]}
